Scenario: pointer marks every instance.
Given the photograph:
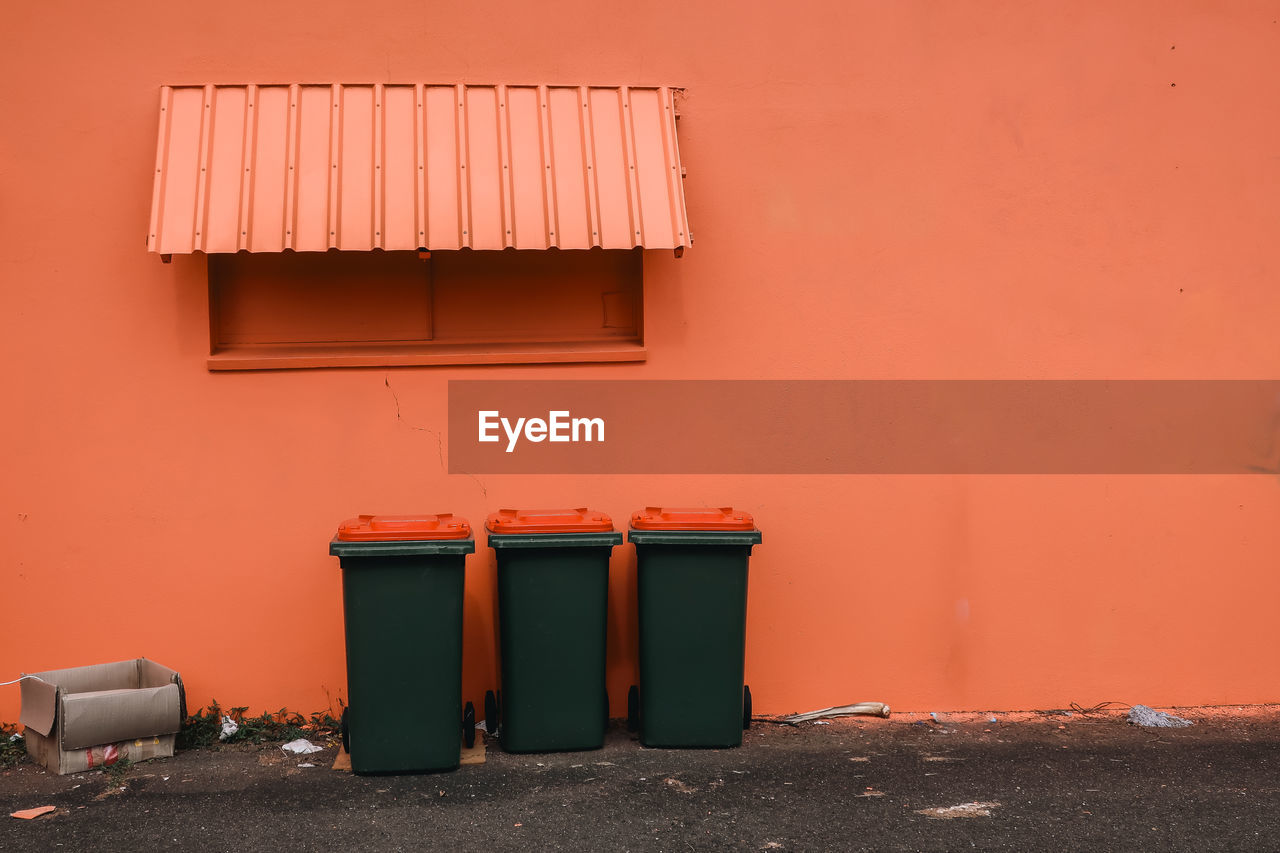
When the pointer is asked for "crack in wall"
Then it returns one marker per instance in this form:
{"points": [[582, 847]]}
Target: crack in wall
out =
{"points": [[386, 380]]}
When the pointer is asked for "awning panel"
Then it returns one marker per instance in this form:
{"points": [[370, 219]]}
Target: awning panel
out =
{"points": [[400, 167]]}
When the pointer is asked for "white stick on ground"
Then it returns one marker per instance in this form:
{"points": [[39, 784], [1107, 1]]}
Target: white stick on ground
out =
{"points": [[865, 709]]}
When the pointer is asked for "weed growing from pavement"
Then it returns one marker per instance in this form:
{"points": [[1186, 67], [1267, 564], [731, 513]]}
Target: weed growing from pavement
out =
{"points": [[203, 729], [116, 772], [11, 751]]}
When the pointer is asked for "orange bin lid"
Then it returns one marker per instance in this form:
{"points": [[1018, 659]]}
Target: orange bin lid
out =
{"points": [[693, 518], [580, 520], [403, 528]]}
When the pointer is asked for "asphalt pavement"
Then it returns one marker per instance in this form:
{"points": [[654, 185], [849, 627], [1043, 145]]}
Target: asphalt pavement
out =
{"points": [[1025, 782]]}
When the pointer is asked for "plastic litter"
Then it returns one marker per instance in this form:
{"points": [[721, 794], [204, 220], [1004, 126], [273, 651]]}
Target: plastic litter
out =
{"points": [[301, 746], [229, 727], [306, 764], [14, 737], [1141, 715], [29, 814], [868, 709]]}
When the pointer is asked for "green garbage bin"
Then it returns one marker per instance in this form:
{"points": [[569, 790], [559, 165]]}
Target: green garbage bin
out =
{"points": [[691, 578], [402, 585], [553, 590]]}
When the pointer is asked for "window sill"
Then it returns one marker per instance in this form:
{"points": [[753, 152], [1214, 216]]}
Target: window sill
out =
{"points": [[297, 356]]}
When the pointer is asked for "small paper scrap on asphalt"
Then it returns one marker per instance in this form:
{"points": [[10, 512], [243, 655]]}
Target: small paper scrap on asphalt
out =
{"points": [[962, 810], [28, 814], [301, 746]]}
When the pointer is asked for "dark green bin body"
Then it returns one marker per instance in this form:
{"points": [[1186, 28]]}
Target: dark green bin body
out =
{"points": [[553, 594], [403, 613], [692, 590]]}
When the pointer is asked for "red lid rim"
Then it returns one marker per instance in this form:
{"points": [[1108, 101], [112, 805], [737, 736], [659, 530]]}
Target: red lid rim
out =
{"points": [[533, 521], [404, 528], [692, 518]]}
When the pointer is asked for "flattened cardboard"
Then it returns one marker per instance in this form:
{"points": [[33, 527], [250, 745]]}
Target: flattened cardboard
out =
{"points": [[91, 716], [474, 755]]}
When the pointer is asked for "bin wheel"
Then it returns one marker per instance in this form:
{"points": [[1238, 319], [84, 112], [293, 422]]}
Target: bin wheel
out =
{"points": [[345, 729], [633, 709], [746, 707], [491, 711], [469, 725]]}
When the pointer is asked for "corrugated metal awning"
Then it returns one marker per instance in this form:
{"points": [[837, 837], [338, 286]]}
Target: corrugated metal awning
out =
{"points": [[361, 167]]}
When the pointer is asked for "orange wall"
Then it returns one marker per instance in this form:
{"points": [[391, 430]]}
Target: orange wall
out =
{"points": [[878, 190]]}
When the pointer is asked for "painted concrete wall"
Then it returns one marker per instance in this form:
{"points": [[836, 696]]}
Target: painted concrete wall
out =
{"points": [[878, 190]]}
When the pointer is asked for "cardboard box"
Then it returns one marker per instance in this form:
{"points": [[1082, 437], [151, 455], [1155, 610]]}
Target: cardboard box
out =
{"points": [[92, 716]]}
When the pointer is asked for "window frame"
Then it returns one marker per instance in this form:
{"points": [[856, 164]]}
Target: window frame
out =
{"points": [[434, 350]]}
